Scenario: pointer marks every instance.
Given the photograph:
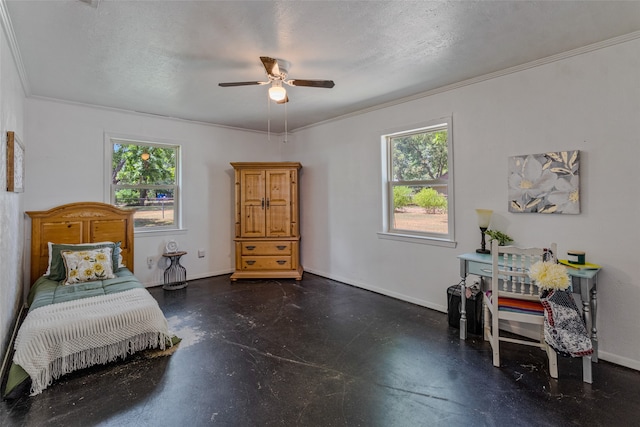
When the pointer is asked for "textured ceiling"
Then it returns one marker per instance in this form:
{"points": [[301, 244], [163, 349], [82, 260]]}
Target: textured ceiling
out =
{"points": [[167, 57]]}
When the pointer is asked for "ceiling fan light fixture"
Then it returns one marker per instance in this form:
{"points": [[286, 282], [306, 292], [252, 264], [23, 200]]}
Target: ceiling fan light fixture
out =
{"points": [[277, 70], [277, 93]]}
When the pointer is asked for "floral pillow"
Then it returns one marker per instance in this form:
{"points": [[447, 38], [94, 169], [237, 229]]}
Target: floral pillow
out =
{"points": [[88, 265], [56, 269]]}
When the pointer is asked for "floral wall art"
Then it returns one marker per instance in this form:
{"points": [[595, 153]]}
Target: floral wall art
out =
{"points": [[545, 183]]}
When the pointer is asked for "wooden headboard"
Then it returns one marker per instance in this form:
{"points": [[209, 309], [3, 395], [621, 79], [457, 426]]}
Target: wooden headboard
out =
{"points": [[84, 222]]}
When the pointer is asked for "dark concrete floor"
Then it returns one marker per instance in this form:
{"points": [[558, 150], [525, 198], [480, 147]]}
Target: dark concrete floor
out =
{"points": [[321, 353]]}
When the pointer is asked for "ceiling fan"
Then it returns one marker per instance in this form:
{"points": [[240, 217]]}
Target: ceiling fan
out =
{"points": [[277, 70]]}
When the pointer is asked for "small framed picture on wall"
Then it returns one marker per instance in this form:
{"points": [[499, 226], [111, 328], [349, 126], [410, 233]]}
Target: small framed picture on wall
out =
{"points": [[15, 163]]}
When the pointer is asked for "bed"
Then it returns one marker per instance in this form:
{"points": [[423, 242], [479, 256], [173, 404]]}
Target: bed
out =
{"points": [[85, 306]]}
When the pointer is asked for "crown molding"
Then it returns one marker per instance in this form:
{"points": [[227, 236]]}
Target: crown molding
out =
{"points": [[500, 73], [13, 46]]}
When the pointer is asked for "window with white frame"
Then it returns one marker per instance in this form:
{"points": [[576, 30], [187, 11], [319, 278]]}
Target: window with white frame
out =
{"points": [[418, 183], [144, 177]]}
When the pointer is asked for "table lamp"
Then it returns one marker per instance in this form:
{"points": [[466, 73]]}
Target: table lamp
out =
{"points": [[484, 217]]}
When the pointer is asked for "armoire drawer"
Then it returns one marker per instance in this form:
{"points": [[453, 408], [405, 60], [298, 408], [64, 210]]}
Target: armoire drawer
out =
{"points": [[266, 263], [266, 248]]}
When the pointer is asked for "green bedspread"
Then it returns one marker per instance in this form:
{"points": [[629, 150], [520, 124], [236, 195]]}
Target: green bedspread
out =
{"points": [[45, 292]]}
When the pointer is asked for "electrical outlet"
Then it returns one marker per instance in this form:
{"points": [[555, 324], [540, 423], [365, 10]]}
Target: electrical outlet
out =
{"points": [[201, 253], [150, 262]]}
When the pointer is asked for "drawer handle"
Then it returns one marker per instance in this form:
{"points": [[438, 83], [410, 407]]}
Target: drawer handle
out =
{"points": [[250, 262], [281, 247], [281, 262], [250, 248]]}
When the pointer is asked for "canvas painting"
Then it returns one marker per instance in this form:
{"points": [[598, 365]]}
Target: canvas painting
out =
{"points": [[545, 183], [15, 163]]}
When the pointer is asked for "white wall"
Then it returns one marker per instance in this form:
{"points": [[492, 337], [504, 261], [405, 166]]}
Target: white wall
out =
{"points": [[11, 219], [66, 164], [589, 102]]}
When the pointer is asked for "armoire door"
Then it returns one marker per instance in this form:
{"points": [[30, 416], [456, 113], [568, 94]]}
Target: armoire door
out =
{"points": [[278, 205], [253, 203]]}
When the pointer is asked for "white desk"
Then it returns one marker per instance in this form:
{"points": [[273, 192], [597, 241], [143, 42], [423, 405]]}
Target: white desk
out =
{"points": [[583, 282]]}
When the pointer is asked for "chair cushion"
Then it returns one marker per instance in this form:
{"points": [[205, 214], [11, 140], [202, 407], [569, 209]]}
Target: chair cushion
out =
{"points": [[520, 306]]}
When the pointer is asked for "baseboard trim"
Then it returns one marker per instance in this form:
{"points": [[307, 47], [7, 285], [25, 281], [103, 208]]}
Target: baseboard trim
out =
{"points": [[193, 277], [380, 291], [619, 360], [6, 362]]}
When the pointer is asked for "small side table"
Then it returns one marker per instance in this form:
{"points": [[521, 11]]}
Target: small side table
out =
{"points": [[175, 276]]}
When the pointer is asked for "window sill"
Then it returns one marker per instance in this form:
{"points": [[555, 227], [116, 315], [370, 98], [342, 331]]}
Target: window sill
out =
{"points": [[162, 232], [422, 240]]}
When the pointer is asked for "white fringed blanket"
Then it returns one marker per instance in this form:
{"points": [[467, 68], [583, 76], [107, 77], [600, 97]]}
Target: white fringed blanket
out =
{"points": [[52, 342]]}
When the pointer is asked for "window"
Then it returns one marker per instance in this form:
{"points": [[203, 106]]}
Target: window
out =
{"points": [[419, 192], [144, 177]]}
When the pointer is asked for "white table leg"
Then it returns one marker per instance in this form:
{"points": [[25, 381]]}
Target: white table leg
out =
{"points": [[594, 330], [463, 311], [464, 268], [586, 369]]}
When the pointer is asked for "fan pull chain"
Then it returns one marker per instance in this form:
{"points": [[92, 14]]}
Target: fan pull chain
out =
{"points": [[285, 122], [268, 118]]}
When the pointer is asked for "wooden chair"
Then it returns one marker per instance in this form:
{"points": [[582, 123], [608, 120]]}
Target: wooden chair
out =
{"points": [[515, 298]]}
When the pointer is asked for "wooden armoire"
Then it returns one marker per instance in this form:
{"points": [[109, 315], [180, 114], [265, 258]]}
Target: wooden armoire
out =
{"points": [[267, 233]]}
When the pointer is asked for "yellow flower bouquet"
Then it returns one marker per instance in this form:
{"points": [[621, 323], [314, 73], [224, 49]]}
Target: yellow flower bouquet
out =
{"points": [[549, 275]]}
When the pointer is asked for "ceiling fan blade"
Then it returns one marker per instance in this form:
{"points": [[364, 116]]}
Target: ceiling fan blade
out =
{"points": [[270, 65], [311, 83], [230, 84]]}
